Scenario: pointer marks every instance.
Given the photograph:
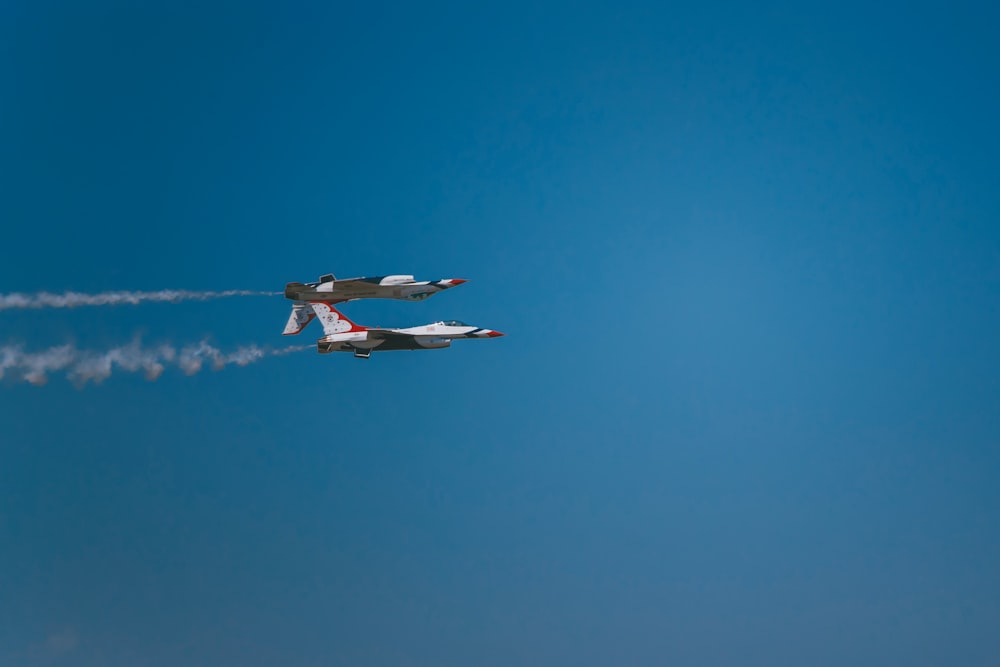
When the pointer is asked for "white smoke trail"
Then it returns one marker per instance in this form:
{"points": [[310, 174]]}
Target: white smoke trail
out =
{"points": [[84, 366], [192, 357], [38, 366], [77, 299]]}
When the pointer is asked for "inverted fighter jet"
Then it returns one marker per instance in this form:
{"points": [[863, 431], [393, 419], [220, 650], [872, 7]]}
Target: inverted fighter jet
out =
{"points": [[332, 290], [343, 335]]}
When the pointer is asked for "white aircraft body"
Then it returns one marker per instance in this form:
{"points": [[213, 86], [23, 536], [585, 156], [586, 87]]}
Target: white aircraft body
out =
{"points": [[343, 335], [331, 290]]}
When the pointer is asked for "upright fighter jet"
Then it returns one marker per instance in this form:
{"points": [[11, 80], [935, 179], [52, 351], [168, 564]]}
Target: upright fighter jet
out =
{"points": [[343, 335]]}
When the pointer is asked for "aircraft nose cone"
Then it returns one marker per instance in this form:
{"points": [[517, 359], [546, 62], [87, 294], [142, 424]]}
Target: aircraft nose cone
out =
{"points": [[458, 281], [494, 334]]}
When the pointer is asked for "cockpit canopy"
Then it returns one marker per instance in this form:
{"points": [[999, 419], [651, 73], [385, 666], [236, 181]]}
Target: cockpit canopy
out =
{"points": [[454, 323]]}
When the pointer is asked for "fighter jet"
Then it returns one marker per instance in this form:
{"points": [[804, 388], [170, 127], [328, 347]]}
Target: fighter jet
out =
{"points": [[332, 290], [343, 335]]}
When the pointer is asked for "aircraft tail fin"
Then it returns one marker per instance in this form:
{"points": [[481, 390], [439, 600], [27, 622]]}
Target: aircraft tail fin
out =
{"points": [[302, 314], [333, 320]]}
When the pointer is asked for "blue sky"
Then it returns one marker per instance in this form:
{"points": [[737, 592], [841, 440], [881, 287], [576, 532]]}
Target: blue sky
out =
{"points": [[747, 410]]}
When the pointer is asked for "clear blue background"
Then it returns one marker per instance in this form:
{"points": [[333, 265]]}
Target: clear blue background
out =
{"points": [[747, 258]]}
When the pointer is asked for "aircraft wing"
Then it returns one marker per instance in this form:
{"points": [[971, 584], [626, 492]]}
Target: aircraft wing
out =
{"points": [[388, 334], [389, 339], [353, 286]]}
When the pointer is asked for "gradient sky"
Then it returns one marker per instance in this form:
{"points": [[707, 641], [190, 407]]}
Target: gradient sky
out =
{"points": [[747, 410]]}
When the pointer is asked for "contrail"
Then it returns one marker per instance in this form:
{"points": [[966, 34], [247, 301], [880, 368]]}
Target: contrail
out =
{"points": [[77, 299], [84, 366]]}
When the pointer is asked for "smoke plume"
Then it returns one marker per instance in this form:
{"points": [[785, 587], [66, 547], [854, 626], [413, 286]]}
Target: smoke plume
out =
{"points": [[85, 366], [77, 299]]}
